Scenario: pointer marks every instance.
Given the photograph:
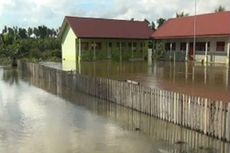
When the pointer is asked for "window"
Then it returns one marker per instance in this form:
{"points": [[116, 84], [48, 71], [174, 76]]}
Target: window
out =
{"points": [[118, 44], [110, 45], [130, 45], [141, 45], [200, 46], [134, 46], [183, 46], [173, 46], [98, 46], [85, 45], [123, 44], [220, 46], [168, 46]]}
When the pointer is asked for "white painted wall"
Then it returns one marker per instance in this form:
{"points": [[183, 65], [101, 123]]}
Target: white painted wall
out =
{"points": [[220, 58], [69, 45]]}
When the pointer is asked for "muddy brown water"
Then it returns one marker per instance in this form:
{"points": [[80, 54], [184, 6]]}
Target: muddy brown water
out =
{"points": [[36, 117], [209, 81]]}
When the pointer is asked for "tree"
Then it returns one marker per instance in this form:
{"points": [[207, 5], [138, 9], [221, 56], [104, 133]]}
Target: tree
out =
{"points": [[43, 32], [4, 30], [7, 39], [22, 33], [54, 32], [153, 26], [11, 31], [36, 32], [147, 21], [160, 22], [14, 42], [29, 32], [220, 9], [182, 14]]}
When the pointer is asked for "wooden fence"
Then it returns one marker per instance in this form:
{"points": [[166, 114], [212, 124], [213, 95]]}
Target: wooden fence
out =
{"points": [[200, 114]]}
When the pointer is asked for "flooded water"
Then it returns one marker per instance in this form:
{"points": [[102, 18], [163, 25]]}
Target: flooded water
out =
{"points": [[210, 81], [37, 117]]}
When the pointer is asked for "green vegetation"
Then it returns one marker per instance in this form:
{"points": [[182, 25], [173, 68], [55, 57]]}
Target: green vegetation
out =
{"points": [[220, 9], [182, 14], [39, 43], [160, 52], [160, 22]]}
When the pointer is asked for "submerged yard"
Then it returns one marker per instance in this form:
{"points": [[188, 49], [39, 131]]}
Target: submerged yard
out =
{"points": [[35, 118], [210, 81]]}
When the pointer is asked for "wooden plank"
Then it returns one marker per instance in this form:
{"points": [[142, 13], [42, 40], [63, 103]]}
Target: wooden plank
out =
{"points": [[205, 116], [227, 133]]}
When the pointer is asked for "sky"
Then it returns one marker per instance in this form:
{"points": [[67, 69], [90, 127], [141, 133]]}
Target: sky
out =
{"points": [[25, 13]]}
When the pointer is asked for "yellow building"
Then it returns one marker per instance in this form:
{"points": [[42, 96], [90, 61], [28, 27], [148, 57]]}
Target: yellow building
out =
{"points": [[95, 39]]}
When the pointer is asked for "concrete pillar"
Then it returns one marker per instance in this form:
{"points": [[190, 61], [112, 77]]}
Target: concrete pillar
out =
{"points": [[205, 74], [206, 53], [186, 71], [170, 57], [227, 77], [79, 49], [94, 50], [194, 49], [228, 51], [174, 54], [150, 56], [186, 52], [79, 67]]}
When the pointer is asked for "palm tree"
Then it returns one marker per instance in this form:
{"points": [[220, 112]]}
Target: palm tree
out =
{"points": [[160, 22], [220, 9], [182, 14]]}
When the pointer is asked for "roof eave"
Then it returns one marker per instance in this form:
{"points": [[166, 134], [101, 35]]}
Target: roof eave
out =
{"points": [[118, 38], [189, 36]]}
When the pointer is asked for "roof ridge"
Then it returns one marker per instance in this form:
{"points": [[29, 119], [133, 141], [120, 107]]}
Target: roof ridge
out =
{"points": [[198, 15], [95, 18]]}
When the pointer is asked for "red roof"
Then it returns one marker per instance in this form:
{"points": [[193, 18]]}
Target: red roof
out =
{"points": [[214, 24], [108, 28]]}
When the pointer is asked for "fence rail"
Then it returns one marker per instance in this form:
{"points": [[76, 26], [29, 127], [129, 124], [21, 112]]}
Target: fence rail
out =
{"points": [[201, 114]]}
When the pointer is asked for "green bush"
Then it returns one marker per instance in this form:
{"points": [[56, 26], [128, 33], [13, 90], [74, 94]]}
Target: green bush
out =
{"points": [[160, 52], [101, 55], [126, 55], [87, 56], [115, 55]]}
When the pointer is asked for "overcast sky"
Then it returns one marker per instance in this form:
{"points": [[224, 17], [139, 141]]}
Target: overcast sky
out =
{"points": [[24, 13]]}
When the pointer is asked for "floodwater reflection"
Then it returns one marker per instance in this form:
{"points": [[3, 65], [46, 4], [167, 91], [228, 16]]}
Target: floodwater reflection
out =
{"points": [[57, 119], [35, 121], [210, 81]]}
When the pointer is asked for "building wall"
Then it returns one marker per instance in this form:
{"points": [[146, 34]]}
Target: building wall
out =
{"points": [[106, 51], [213, 55], [68, 45], [70, 48]]}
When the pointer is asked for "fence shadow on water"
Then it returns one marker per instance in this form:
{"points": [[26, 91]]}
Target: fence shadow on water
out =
{"points": [[198, 114]]}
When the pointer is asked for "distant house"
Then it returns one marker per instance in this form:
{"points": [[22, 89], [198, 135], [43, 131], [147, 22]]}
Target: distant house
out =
{"points": [[95, 38], [212, 37]]}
